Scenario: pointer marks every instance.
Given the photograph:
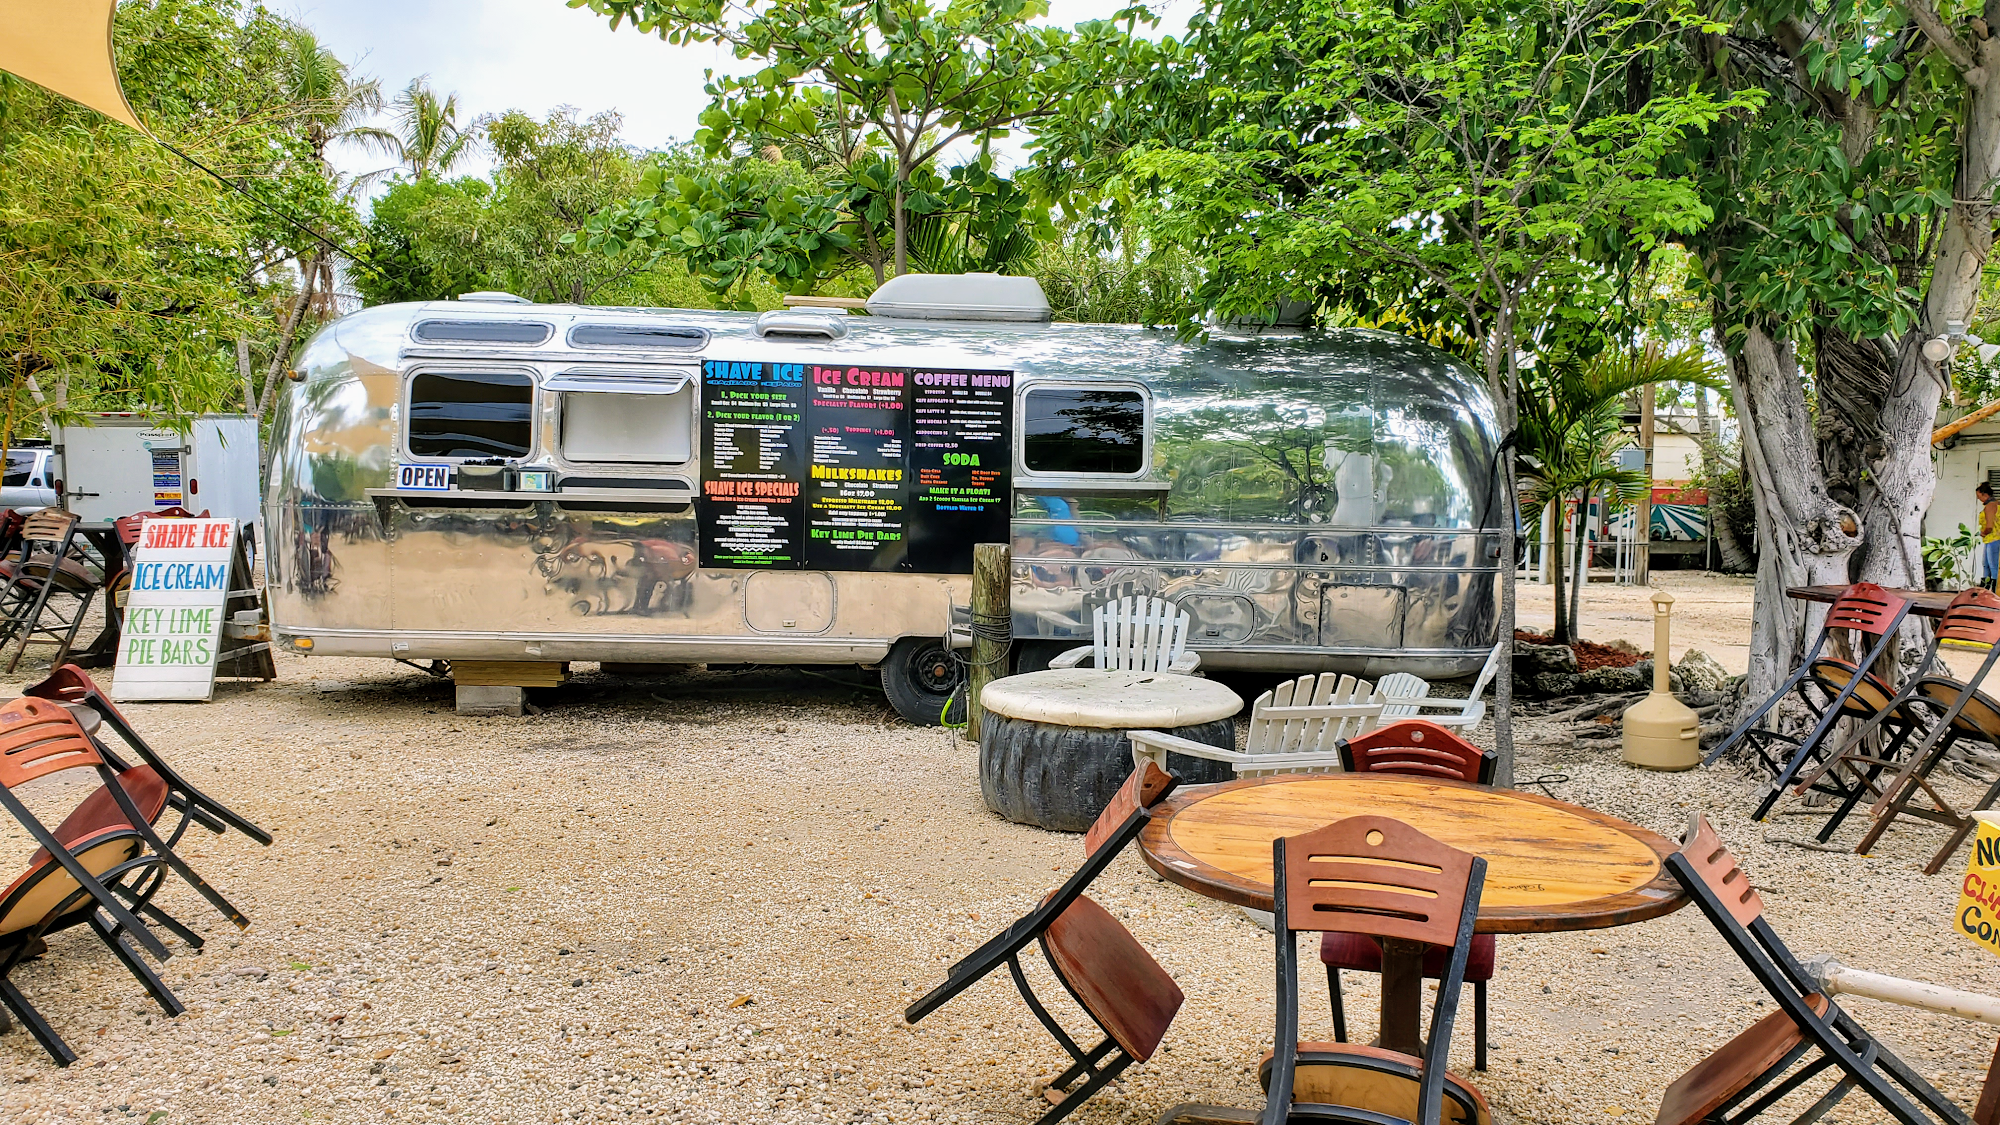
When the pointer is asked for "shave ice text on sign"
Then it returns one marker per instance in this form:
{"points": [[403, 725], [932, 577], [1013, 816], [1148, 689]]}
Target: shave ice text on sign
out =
{"points": [[174, 616]]}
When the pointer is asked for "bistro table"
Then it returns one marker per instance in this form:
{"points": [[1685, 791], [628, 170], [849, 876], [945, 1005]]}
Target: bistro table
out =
{"points": [[1052, 745], [103, 537], [1551, 866]]}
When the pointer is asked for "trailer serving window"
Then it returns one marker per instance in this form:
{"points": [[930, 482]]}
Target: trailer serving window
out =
{"points": [[1085, 430], [471, 414], [626, 419]]}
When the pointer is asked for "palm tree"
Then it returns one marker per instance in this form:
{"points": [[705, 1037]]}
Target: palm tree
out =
{"points": [[1570, 436], [331, 102], [427, 140]]}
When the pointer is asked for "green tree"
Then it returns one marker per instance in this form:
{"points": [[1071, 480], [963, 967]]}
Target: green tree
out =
{"points": [[844, 78], [439, 238], [1853, 220], [126, 273], [1461, 167]]}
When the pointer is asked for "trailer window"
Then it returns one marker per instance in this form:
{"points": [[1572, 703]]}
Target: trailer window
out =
{"points": [[471, 414], [1071, 430], [629, 428], [482, 332], [638, 336]]}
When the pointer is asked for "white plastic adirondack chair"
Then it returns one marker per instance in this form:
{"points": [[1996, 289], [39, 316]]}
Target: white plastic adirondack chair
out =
{"points": [[1402, 695], [1464, 714], [1294, 728], [1136, 634]]}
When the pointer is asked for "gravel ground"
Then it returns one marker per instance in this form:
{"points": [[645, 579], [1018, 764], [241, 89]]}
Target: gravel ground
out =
{"points": [[707, 898]]}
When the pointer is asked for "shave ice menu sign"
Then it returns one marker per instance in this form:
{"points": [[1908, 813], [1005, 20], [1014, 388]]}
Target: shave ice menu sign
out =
{"points": [[173, 617]]}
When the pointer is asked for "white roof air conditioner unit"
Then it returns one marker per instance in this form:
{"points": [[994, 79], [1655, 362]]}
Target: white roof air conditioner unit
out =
{"points": [[494, 296], [967, 296]]}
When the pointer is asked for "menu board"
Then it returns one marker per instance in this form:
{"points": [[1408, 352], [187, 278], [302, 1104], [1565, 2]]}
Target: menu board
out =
{"points": [[751, 512], [963, 463], [851, 466], [857, 499]]}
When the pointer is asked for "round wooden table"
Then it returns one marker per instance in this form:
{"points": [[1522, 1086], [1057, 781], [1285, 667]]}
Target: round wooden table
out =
{"points": [[1551, 866], [1052, 745]]}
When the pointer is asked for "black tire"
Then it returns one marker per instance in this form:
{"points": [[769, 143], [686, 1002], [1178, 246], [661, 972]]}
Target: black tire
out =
{"points": [[1060, 778], [919, 676], [1034, 656]]}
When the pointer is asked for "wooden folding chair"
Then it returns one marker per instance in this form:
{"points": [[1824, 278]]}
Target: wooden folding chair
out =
{"points": [[1139, 634], [1863, 609], [1295, 727], [1376, 879], [1962, 711], [48, 573], [1423, 749], [164, 786], [1721, 1087], [1102, 966]]}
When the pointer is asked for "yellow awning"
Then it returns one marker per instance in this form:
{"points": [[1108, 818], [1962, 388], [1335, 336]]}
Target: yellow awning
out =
{"points": [[65, 46]]}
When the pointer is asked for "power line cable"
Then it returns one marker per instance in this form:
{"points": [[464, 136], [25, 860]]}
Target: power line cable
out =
{"points": [[273, 209]]}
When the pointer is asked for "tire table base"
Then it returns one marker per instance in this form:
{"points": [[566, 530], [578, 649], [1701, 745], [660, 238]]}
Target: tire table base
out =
{"points": [[1061, 777]]}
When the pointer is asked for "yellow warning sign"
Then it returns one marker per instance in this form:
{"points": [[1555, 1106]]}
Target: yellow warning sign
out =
{"points": [[1978, 915]]}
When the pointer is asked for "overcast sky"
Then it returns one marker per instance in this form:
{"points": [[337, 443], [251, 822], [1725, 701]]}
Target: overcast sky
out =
{"points": [[535, 55]]}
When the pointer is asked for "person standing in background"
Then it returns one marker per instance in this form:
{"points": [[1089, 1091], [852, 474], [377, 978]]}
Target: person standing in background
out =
{"points": [[1989, 536]]}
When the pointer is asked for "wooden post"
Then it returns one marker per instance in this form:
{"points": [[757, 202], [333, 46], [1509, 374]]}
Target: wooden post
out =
{"points": [[992, 624], [1642, 535]]}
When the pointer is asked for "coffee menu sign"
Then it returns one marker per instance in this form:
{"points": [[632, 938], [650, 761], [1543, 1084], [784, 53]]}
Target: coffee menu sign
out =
{"points": [[852, 466], [173, 617]]}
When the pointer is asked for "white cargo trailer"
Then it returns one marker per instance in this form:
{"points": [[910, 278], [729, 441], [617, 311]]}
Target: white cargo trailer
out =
{"points": [[117, 464]]}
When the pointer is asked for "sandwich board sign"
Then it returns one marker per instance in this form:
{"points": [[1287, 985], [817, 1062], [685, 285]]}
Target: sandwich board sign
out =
{"points": [[173, 616], [1978, 915]]}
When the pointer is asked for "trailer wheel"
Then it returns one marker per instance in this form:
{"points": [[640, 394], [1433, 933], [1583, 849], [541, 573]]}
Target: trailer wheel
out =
{"points": [[919, 676]]}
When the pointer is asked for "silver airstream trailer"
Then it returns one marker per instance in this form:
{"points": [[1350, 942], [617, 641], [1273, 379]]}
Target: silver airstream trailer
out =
{"points": [[491, 480]]}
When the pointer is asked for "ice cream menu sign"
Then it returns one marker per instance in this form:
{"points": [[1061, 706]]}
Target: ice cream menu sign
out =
{"points": [[855, 466]]}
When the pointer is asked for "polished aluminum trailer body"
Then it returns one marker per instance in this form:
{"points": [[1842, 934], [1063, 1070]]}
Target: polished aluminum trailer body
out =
{"points": [[1315, 501]]}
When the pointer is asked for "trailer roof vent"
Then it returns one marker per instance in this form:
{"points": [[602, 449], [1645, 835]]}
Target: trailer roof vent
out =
{"points": [[636, 336], [787, 323], [966, 296], [495, 296], [482, 332]]}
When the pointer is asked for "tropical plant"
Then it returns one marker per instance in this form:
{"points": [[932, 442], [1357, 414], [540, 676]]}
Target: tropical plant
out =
{"points": [[1570, 434], [427, 139], [1948, 559]]}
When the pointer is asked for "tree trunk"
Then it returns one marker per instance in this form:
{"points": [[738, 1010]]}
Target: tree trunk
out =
{"points": [[243, 372], [1580, 575], [1804, 536], [902, 234], [1735, 560], [282, 352], [1553, 558]]}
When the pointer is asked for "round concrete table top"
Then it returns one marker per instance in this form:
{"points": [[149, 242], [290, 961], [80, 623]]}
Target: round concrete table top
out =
{"points": [[1087, 697]]}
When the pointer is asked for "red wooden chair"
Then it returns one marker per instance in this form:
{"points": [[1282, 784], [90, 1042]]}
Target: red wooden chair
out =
{"points": [[1753, 1065], [1863, 609], [1374, 878], [1424, 749], [1125, 992], [79, 873], [1956, 711]]}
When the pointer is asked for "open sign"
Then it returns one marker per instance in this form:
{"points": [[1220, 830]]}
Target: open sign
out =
{"points": [[423, 478]]}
